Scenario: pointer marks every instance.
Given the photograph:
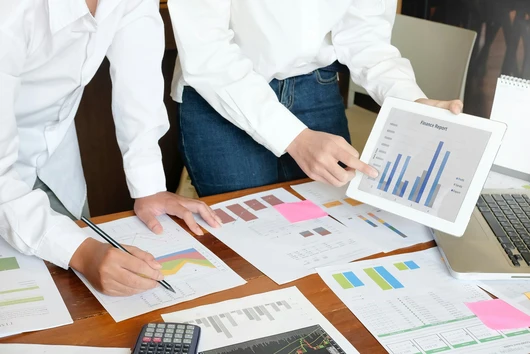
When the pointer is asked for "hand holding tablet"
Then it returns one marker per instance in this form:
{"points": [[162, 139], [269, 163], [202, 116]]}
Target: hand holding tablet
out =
{"points": [[432, 164]]}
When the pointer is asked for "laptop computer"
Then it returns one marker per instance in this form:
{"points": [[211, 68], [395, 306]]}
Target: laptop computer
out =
{"points": [[496, 243]]}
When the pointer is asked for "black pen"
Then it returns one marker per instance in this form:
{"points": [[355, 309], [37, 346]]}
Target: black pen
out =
{"points": [[110, 240]]}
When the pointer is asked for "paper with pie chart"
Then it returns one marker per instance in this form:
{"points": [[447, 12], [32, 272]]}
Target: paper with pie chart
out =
{"points": [[189, 267]]}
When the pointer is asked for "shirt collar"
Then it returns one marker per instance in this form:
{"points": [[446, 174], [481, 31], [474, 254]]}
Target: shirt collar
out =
{"points": [[65, 12]]}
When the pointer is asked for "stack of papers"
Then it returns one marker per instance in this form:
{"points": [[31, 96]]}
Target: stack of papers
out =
{"points": [[29, 299], [58, 349]]}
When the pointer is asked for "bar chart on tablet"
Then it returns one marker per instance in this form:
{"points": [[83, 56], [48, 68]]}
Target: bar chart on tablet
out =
{"points": [[425, 163]]}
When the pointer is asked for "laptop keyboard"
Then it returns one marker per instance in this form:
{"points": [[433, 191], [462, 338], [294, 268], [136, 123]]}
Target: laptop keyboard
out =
{"points": [[508, 215]]}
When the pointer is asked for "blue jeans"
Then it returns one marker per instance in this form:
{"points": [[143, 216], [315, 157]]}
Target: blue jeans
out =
{"points": [[222, 158]]}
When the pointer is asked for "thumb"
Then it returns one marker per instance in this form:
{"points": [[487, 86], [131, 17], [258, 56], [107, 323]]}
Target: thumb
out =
{"points": [[151, 222], [144, 256]]}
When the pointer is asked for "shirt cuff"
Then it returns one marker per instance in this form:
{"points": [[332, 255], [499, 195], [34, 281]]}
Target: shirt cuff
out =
{"points": [[281, 132], [409, 92], [146, 180], [60, 243]]}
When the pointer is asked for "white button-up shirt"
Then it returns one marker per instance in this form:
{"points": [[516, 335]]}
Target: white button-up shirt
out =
{"points": [[229, 50], [49, 51]]}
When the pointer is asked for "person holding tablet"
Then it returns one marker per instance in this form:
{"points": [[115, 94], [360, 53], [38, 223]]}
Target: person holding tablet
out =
{"points": [[257, 87], [49, 50]]}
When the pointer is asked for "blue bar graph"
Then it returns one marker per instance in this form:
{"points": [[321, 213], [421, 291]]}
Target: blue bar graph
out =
{"points": [[400, 178], [414, 187], [411, 265], [391, 177], [437, 180], [352, 278], [382, 180], [429, 171], [403, 189], [388, 277]]}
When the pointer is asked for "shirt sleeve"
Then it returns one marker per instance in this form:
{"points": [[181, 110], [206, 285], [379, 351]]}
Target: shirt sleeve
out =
{"points": [[27, 221], [138, 106], [215, 66], [362, 42]]}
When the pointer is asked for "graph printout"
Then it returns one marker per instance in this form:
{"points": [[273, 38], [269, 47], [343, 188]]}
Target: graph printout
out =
{"points": [[29, 299], [281, 321], [189, 267], [412, 305], [285, 251], [388, 231], [425, 163]]}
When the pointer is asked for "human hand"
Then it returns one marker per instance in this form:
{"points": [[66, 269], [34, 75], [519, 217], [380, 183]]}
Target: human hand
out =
{"points": [[148, 208], [114, 272], [318, 155], [455, 106]]}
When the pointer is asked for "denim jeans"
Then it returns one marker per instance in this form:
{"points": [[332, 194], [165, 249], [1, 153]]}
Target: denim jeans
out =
{"points": [[221, 158]]}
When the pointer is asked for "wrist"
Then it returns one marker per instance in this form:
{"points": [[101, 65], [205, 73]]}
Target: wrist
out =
{"points": [[81, 258]]}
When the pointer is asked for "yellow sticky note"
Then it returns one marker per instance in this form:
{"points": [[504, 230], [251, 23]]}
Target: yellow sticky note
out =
{"points": [[527, 294]]}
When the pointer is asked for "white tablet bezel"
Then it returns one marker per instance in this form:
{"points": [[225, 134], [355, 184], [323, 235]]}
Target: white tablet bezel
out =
{"points": [[458, 227]]}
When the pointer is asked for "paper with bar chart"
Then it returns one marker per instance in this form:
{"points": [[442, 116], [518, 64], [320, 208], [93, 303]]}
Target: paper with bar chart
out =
{"points": [[281, 321], [388, 231], [189, 267], [282, 250], [412, 305], [29, 299], [425, 163]]}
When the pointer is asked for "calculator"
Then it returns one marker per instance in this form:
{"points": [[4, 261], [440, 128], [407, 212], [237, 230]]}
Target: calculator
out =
{"points": [[168, 338]]}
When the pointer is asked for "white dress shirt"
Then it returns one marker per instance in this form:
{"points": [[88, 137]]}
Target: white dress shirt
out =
{"points": [[49, 51], [229, 50]]}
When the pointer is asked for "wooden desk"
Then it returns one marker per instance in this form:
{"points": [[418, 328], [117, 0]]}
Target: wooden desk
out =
{"points": [[93, 326]]}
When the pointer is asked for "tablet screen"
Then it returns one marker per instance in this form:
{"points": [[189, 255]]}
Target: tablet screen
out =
{"points": [[425, 163]]}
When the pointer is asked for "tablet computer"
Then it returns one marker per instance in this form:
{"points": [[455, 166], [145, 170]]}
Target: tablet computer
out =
{"points": [[432, 164]]}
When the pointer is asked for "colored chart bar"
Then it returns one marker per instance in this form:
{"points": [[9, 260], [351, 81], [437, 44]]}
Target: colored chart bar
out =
{"points": [[306, 233], [322, 231], [388, 277], [8, 263], [342, 281], [414, 188], [18, 290], [255, 205], [366, 220], [401, 266], [272, 200], [387, 225], [332, 204], [419, 186], [405, 185], [396, 190], [435, 186], [394, 169], [382, 180], [352, 278], [352, 202], [225, 218], [411, 265], [21, 301], [241, 212], [429, 171], [378, 279]]}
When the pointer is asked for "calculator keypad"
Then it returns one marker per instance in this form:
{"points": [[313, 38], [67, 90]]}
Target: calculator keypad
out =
{"points": [[164, 338]]}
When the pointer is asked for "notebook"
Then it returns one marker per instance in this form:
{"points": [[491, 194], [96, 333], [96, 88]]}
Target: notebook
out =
{"points": [[512, 106]]}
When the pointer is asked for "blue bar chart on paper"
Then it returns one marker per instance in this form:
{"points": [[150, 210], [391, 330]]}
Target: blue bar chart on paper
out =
{"points": [[425, 163]]}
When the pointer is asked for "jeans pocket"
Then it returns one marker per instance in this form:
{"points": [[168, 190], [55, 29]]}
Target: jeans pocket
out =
{"points": [[326, 77]]}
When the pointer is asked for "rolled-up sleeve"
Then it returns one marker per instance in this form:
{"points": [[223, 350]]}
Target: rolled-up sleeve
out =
{"points": [[362, 42], [214, 65], [27, 221], [138, 96]]}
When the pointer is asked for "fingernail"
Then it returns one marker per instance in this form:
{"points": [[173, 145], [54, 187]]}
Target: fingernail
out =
{"points": [[157, 265], [374, 173], [160, 276], [158, 229], [199, 232]]}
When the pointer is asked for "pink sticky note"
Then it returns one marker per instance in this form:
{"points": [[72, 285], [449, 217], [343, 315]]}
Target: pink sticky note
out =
{"points": [[300, 211], [498, 315]]}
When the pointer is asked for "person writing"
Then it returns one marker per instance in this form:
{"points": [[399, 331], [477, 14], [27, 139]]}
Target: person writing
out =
{"points": [[49, 51], [256, 83]]}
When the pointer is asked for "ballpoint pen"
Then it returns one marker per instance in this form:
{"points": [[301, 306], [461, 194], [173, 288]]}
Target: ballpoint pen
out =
{"points": [[115, 244]]}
